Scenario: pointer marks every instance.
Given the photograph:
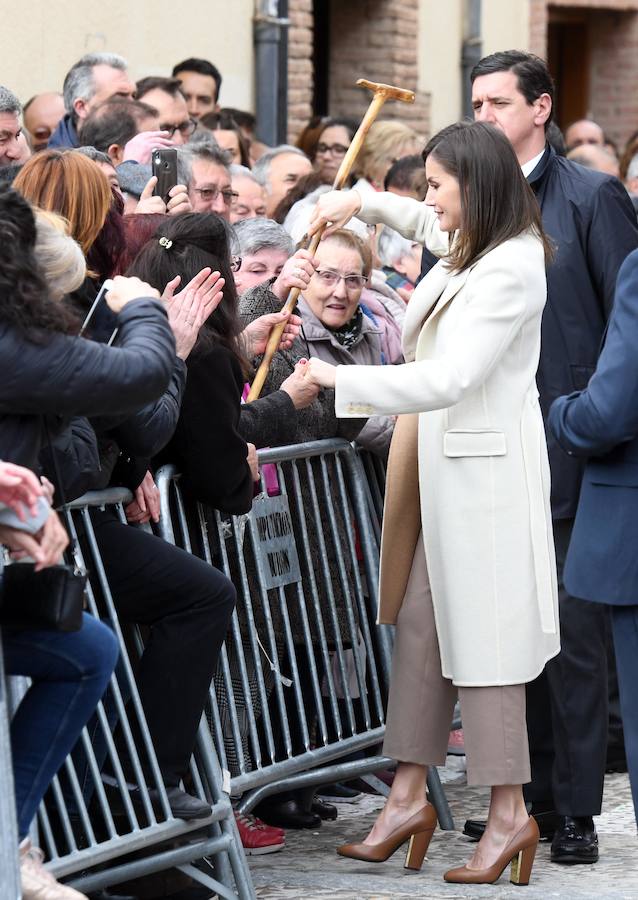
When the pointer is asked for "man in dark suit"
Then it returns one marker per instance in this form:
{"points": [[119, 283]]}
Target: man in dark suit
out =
{"points": [[591, 220], [601, 423]]}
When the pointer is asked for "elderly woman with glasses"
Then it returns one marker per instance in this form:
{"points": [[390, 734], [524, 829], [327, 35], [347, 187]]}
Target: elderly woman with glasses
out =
{"points": [[332, 142], [337, 327]]}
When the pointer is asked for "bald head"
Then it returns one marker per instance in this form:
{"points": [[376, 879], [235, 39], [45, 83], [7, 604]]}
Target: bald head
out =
{"points": [[593, 156], [584, 131], [41, 116]]}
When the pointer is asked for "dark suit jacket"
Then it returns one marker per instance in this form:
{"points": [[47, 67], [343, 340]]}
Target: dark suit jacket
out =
{"points": [[601, 423], [592, 222]]}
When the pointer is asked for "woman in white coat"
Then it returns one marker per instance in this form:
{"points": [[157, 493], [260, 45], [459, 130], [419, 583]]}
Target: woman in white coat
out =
{"points": [[468, 573]]}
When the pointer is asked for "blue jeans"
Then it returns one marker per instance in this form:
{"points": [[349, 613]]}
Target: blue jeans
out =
{"points": [[69, 675]]}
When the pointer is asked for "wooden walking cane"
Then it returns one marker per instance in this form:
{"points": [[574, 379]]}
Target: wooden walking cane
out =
{"points": [[381, 92]]}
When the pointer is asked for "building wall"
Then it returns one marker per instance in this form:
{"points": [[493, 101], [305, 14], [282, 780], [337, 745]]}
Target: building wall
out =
{"points": [[300, 65], [439, 60], [613, 57], [152, 35], [378, 40], [505, 25]]}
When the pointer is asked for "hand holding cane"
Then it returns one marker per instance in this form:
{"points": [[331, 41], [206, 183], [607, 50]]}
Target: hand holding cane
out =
{"points": [[381, 93]]}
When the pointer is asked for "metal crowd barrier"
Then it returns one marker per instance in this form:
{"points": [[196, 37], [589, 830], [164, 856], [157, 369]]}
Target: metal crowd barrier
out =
{"points": [[299, 698], [89, 828], [9, 867]]}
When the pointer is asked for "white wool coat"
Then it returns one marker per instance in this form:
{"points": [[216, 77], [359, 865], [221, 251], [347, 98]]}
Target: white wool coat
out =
{"points": [[468, 464]]}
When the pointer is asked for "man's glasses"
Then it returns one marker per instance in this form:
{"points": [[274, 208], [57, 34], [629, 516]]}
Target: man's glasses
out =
{"points": [[334, 149], [185, 128], [209, 195], [330, 279]]}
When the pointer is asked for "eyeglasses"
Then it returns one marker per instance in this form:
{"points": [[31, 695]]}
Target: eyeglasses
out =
{"points": [[235, 263], [334, 149], [185, 128], [331, 279], [212, 193]]}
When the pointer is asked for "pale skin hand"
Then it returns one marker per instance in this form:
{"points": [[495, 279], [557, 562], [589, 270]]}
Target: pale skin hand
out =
{"points": [[177, 204], [146, 505], [251, 459], [45, 548], [301, 390], [256, 334], [19, 488], [191, 307], [48, 490], [125, 290], [140, 147], [321, 373], [334, 210], [296, 273]]}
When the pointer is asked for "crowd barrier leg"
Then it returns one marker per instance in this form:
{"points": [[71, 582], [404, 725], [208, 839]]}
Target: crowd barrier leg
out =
{"points": [[279, 733], [9, 868], [90, 829]]}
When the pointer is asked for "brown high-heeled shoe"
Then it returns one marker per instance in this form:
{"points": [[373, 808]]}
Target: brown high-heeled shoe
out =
{"points": [[418, 830], [520, 852]]}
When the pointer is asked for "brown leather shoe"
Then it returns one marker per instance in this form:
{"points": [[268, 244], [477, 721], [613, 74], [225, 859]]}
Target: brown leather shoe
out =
{"points": [[520, 852], [418, 830]]}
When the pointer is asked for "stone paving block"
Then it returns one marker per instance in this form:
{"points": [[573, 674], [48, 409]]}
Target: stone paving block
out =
{"points": [[310, 869]]}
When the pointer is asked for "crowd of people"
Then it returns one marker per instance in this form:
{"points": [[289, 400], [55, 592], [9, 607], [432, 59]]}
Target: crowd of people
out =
{"points": [[534, 229]]}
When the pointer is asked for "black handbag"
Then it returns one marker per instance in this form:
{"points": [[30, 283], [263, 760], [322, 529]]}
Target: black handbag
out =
{"points": [[52, 599]]}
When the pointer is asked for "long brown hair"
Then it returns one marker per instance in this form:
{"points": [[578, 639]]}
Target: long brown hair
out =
{"points": [[497, 203], [71, 185]]}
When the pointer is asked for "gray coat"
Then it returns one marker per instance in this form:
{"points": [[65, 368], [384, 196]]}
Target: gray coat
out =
{"points": [[316, 422]]}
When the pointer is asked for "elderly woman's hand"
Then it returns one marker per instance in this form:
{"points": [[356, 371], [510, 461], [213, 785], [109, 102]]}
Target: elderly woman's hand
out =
{"points": [[322, 373], [334, 210], [257, 332], [296, 273], [301, 390], [19, 488]]}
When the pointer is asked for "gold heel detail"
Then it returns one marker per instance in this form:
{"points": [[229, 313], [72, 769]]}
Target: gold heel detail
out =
{"points": [[521, 869], [417, 848]]}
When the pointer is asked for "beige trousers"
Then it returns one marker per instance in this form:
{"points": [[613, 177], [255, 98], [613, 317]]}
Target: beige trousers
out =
{"points": [[421, 700]]}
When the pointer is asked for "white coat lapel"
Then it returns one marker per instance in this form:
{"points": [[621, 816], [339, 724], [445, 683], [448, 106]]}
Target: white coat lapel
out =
{"points": [[454, 285], [423, 301]]}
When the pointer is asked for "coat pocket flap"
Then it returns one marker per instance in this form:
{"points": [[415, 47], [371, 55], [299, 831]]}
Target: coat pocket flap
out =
{"points": [[473, 442]]}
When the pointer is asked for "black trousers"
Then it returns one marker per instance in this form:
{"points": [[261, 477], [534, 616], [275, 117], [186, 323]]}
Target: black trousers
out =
{"points": [[187, 605], [567, 718]]}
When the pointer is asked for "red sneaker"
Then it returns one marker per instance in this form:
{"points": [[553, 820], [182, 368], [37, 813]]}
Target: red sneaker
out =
{"points": [[274, 828], [258, 839]]}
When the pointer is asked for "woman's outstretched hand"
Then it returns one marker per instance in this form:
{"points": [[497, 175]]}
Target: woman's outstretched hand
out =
{"points": [[334, 210], [255, 335], [322, 373]]}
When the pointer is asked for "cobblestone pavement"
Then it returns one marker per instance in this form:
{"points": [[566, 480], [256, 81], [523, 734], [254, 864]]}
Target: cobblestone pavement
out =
{"points": [[309, 868]]}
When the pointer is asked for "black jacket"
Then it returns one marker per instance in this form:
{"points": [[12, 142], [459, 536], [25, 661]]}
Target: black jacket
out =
{"points": [[69, 376], [207, 446], [590, 218]]}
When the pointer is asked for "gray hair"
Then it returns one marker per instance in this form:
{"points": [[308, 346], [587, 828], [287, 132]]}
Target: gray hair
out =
{"points": [[96, 155], [298, 219], [243, 172], [261, 169], [392, 246], [79, 83], [204, 147], [253, 235], [9, 103], [59, 257]]}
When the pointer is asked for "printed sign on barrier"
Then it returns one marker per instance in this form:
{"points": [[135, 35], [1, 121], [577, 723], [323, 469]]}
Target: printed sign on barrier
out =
{"points": [[274, 541]]}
